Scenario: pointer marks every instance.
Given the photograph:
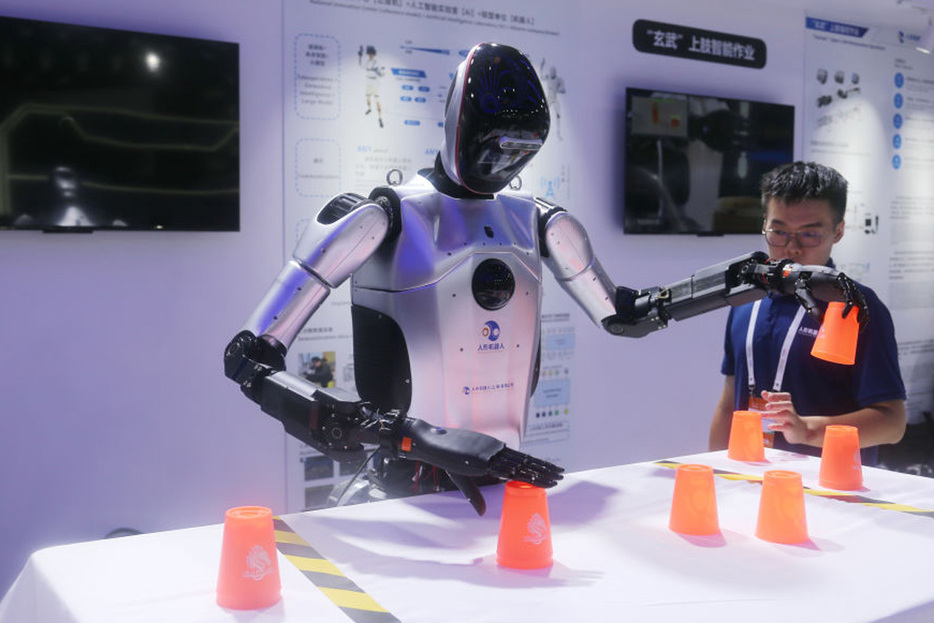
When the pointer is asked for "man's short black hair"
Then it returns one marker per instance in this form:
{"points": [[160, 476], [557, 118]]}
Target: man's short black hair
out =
{"points": [[800, 181]]}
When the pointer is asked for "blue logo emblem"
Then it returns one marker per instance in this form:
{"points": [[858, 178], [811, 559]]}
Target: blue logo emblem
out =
{"points": [[491, 343]]}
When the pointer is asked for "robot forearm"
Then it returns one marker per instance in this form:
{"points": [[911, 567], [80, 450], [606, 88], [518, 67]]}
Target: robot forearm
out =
{"points": [[332, 421], [735, 282], [339, 425], [640, 312]]}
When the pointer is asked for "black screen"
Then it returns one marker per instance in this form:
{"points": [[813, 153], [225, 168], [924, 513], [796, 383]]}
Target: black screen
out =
{"points": [[693, 163], [111, 129]]}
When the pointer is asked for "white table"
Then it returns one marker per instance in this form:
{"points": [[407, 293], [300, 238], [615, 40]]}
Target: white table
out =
{"points": [[431, 559]]}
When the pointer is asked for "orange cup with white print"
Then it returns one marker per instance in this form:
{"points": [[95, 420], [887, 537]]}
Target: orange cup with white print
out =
{"points": [[746, 443], [524, 528], [249, 569], [836, 340], [694, 502], [841, 466], [782, 518]]}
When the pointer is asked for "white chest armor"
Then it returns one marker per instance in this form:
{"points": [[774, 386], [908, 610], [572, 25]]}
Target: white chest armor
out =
{"points": [[436, 332]]}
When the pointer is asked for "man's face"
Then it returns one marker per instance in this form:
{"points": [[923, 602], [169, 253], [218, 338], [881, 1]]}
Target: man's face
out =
{"points": [[811, 215]]}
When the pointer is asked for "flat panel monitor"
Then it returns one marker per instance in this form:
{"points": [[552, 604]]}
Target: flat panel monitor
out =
{"points": [[693, 163], [113, 129]]}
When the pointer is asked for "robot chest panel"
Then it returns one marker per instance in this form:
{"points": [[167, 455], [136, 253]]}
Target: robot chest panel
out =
{"points": [[441, 236]]}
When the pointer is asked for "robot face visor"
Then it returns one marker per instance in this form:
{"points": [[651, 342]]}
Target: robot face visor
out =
{"points": [[504, 119]]}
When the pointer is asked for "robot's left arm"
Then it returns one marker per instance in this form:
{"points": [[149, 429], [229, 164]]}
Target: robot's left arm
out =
{"points": [[566, 250]]}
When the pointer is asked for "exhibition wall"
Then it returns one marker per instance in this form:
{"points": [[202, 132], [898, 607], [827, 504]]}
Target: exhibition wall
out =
{"points": [[115, 410]]}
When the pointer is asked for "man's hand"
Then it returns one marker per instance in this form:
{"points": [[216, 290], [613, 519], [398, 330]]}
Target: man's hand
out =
{"points": [[780, 410]]}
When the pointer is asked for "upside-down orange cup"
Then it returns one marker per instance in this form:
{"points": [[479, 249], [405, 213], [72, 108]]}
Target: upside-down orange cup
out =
{"points": [[836, 340], [746, 443], [249, 571], [524, 528], [694, 503], [841, 466], [781, 508]]}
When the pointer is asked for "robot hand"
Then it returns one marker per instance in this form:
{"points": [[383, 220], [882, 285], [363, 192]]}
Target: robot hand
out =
{"points": [[338, 424], [809, 284], [466, 454]]}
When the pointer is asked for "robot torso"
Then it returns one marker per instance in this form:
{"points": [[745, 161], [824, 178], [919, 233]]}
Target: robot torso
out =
{"points": [[446, 312]]}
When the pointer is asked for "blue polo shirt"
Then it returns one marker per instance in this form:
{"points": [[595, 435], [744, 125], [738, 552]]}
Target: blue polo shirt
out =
{"points": [[817, 387]]}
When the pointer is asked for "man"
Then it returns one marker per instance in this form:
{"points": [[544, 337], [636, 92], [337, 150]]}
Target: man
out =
{"points": [[373, 73], [799, 395]]}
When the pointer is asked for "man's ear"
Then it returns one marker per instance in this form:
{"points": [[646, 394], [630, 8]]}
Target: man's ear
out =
{"points": [[838, 231]]}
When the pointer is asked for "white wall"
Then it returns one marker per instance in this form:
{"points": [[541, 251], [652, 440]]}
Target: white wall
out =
{"points": [[114, 410], [653, 397]]}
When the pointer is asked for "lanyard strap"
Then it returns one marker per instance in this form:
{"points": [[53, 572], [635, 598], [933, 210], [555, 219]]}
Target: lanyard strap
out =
{"points": [[783, 356], [750, 360]]}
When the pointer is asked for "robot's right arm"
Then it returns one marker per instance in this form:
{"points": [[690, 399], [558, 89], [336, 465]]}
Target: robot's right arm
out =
{"points": [[337, 423], [346, 232]]}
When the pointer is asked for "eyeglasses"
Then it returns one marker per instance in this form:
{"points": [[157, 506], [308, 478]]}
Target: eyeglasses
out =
{"points": [[780, 238]]}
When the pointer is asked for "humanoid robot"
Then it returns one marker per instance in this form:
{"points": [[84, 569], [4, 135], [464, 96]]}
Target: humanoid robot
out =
{"points": [[446, 291]]}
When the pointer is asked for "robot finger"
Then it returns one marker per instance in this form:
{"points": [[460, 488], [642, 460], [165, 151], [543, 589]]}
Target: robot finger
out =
{"points": [[470, 490], [514, 465]]}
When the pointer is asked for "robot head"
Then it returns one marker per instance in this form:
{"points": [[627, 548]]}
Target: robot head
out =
{"points": [[496, 118]]}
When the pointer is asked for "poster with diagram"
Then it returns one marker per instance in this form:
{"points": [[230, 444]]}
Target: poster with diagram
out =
{"points": [[869, 112], [365, 88]]}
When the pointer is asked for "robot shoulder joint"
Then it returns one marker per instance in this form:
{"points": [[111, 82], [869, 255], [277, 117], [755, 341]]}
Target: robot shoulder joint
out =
{"points": [[547, 211]]}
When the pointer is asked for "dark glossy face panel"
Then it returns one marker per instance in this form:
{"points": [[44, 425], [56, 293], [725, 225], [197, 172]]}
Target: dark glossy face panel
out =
{"points": [[504, 118], [493, 284]]}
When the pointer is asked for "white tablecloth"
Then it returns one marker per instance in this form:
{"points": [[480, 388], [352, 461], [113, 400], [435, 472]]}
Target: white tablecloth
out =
{"points": [[431, 559]]}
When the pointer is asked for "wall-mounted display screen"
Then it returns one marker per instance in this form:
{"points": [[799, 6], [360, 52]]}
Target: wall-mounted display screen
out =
{"points": [[693, 163], [112, 129]]}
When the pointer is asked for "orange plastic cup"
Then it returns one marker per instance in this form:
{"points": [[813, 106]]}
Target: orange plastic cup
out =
{"points": [[841, 466], [524, 528], [746, 443], [781, 508], [694, 503], [836, 340], [249, 571]]}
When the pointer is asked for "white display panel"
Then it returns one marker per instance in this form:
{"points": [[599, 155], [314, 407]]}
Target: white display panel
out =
{"points": [[869, 113]]}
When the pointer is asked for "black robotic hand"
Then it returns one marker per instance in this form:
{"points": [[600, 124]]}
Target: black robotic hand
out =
{"points": [[466, 455], [339, 424], [812, 283]]}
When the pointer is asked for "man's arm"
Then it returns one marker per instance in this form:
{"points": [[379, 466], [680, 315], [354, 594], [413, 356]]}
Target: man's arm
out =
{"points": [[723, 416], [881, 423]]}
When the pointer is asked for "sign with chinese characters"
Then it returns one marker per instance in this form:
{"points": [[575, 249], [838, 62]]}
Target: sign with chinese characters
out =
{"points": [[696, 44]]}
